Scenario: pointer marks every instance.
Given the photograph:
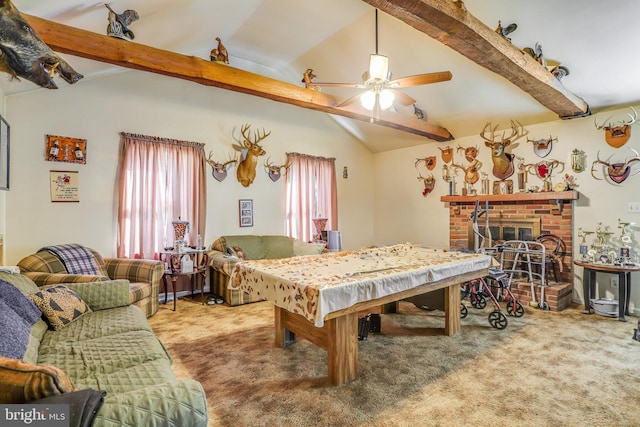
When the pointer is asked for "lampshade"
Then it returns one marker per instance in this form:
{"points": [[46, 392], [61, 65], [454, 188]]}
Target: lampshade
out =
{"points": [[384, 98], [378, 67], [368, 99]]}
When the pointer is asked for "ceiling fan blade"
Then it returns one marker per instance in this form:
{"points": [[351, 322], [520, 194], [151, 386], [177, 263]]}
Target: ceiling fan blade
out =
{"points": [[421, 79], [349, 101], [402, 98], [356, 85]]}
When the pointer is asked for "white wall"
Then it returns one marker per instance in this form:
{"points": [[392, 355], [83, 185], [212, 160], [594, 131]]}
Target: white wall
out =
{"points": [[402, 214], [155, 105]]}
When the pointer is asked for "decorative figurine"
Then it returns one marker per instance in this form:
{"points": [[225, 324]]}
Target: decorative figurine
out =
{"points": [[418, 112], [307, 78], [505, 31], [578, 159], [584, 248], [119, 23], [220, 53]]}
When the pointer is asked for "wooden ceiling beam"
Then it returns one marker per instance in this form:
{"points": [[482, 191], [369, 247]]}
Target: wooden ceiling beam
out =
{"points": [[451, 24], [86, 44]]}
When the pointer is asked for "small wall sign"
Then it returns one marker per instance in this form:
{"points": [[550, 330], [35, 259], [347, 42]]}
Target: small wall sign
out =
{"points": [[64, 186]]}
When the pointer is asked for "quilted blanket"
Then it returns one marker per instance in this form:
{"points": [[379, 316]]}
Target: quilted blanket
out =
{"points": [[316, 285], [76, 258]]}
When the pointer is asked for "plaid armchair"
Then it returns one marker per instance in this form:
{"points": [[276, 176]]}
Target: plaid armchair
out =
{"points": [[144, 276]]}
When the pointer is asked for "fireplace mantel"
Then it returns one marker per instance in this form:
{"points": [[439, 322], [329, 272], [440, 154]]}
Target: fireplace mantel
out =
{"points": [[517, 197]]}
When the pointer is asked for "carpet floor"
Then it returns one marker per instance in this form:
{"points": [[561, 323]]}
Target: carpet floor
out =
{"points": [[544, 369]]}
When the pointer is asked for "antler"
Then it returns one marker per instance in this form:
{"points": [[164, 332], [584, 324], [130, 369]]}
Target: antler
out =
{"points": [[221, 167], [493, 132], [598, 161], [256, 135], [633, 117], [276, 169], [517, 132]]}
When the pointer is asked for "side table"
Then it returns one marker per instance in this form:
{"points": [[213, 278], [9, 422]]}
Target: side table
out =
{"points": [[173, 270], [624, 279]]}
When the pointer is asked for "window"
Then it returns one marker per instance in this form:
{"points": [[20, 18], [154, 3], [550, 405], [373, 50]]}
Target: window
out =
{"points": [[159, 181], [310, 193]]}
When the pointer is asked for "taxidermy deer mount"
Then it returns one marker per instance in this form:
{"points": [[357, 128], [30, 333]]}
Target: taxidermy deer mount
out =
{"points": [[219, 170], [617, 136], [250, 150], [274, 171], [502, 161]]}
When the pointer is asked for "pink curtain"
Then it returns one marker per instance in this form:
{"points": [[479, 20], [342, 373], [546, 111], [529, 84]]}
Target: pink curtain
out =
{"points": [[159, 181], [311, 192]]}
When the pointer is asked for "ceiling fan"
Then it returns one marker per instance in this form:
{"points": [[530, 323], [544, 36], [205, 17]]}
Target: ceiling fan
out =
{"points": [[381, 90]]}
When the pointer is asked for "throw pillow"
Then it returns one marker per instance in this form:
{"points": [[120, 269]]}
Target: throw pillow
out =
{"points": [[60, 305], [22, 382], [19, 303], [14, 333], [237, 252], [303, 248]]}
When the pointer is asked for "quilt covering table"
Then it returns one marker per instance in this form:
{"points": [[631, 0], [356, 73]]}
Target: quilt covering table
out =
{"points": [[314, 286]]}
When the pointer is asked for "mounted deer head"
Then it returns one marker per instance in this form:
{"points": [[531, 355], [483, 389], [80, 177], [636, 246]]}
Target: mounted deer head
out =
{"points": [[219, 170], [542, 147], [502, 161], [274, 171], [617, 172], [250, 150], [617, 136]]}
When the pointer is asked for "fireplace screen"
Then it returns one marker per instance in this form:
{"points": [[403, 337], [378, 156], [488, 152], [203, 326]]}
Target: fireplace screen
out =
{"points": [[506, 229]]}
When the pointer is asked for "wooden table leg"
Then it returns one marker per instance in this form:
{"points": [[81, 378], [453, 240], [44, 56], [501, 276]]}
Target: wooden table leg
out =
{"points": [[452, 310], [342, 351]]}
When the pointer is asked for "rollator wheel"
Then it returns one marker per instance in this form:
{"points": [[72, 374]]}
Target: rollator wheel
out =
{"points": [[519, 309], [498, 320], [463, 311], [478, 301], [543, 306]]}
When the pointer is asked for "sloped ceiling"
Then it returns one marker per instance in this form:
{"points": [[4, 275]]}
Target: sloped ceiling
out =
{"points": [[282, 38]]}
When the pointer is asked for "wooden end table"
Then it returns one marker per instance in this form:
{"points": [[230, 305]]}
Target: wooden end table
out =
{"points": [[172, 262], [624, 286]]}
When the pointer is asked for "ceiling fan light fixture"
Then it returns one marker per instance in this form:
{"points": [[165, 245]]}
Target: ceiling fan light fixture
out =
{"points": [[386, 99], [368, 100], [378, 67]]}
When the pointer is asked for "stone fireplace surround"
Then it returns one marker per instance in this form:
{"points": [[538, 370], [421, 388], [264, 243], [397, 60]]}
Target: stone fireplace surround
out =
{"points": [[555, 210]]}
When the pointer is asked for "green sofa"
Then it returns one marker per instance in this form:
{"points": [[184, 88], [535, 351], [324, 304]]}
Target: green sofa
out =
{"points": [[223, 256], [144, 276], [111, 347]]}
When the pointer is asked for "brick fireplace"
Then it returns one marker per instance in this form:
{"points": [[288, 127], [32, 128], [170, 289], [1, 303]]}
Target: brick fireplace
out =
{"points": [[553, 211]]}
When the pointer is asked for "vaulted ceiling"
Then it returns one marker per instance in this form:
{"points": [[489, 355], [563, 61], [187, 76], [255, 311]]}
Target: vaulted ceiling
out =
{"points": [[282, 38]]}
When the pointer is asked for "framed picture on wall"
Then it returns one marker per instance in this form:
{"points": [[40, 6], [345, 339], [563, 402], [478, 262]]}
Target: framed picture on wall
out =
{"points": [[65, 149], [64, 186], [246, 212], [4, 154]]}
